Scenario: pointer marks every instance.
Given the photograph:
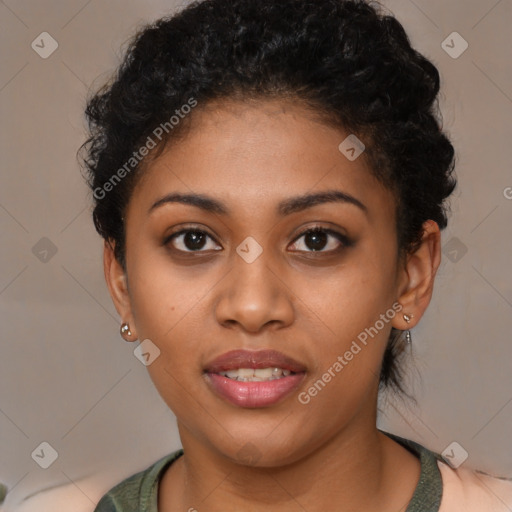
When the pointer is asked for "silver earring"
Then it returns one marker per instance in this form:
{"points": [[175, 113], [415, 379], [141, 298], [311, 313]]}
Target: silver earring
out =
{"points": [[408, 337], [125, 330]]}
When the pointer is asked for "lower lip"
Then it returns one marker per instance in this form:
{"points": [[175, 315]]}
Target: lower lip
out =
{"points": [[254, 394]]}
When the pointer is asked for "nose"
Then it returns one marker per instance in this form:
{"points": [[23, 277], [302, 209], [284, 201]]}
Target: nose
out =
{"points": [[254, 296]]}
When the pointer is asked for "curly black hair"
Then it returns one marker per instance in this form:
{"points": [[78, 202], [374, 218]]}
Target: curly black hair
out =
{"points": [[347, 60]]}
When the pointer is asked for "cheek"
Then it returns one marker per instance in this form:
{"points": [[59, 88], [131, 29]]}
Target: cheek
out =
{"points": [[167, 305], [350, 326], [163, 296], [349, 299]]}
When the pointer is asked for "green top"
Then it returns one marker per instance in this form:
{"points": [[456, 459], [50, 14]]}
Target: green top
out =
{"points": [[139, 492]]}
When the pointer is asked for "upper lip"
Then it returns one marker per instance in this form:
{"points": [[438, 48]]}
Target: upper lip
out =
{"points": [[253, 359]]}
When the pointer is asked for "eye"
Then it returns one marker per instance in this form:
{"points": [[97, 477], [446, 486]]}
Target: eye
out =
{"points": [[316, 239], [191, 240]]}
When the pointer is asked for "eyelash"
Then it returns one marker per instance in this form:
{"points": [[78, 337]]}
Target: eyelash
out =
{"points": [[343, 239]]}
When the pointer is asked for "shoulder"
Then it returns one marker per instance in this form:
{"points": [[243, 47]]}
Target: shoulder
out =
{"points": [[445, 489], [137, 492], [468, 490], [83, 493]]}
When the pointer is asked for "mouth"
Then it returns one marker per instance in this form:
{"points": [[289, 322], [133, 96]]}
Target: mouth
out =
{"points": [[254, 379], [256, 374]]}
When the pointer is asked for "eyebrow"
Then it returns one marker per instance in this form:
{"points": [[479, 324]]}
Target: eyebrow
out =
{"points": [[286, 207]]}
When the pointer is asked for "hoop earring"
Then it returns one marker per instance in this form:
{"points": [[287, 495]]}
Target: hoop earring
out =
{"points": [[125, 331]]}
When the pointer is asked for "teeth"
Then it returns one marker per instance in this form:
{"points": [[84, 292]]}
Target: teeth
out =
{"points": [[256, 375], [265, 373], [245, 373]]}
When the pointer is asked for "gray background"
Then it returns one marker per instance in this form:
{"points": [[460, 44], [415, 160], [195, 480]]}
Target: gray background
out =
{"points": [[66, 376]]}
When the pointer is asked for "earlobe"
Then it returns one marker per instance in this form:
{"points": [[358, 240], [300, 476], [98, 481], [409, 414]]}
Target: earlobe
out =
{"points": [[420, 271], [117, 284]]}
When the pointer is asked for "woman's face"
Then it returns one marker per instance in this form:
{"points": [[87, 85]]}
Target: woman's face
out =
{"points": [[252, 280]]}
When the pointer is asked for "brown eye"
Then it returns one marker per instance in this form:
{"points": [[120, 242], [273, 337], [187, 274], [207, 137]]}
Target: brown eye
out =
{"points": [[191, 240], [318, 239]]}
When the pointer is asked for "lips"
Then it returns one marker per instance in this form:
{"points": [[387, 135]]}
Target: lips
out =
{"points": [[253, 359], [253, 394]]}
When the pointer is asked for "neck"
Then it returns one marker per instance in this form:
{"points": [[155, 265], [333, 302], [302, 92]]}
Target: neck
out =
{"points": [[357, 469]]}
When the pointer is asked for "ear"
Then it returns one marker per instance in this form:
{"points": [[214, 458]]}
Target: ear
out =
{"points": [[117, 284], [417, 277]]}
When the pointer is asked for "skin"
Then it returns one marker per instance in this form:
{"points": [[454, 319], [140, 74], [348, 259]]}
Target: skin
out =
{"points": [[310, 305]]}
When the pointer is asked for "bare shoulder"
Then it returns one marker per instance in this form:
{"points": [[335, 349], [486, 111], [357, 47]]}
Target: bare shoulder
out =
{"points": [[83, 494], [471, 490]]}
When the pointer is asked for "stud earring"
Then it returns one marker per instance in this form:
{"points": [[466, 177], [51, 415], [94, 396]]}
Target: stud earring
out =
{"points": [[408, 337], [125, 331]]}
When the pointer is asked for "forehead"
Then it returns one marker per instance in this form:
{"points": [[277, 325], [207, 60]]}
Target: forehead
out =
{"points": [[255, 154]]}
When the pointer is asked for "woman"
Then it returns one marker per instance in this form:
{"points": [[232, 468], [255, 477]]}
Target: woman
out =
{"points": [[270, 180]]}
